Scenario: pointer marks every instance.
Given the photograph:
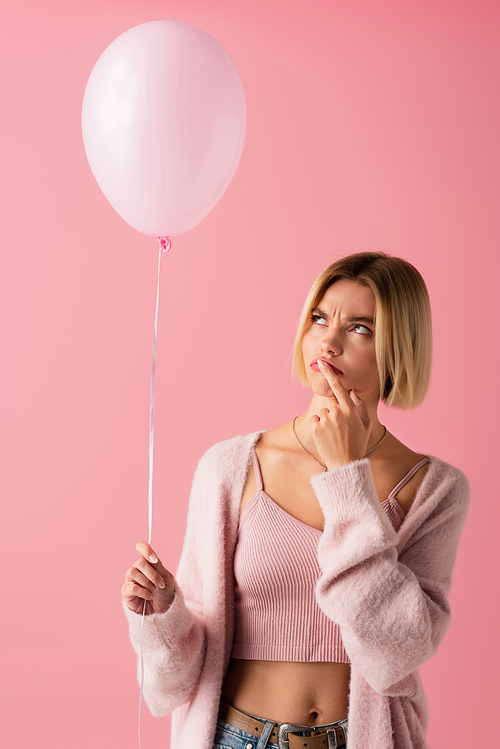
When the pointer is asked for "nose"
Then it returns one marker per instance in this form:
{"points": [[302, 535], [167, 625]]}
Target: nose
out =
{"points": [[331, 343]]}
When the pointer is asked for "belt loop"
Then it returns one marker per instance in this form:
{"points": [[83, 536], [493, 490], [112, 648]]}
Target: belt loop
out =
{"points": [[266, 732], [345, 726]]}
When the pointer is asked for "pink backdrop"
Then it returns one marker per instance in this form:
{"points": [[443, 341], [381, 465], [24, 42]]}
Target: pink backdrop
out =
{"points": [[372, 125]]}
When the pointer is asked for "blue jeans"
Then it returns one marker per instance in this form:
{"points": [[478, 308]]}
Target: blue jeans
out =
{"points": [[229, 737]]}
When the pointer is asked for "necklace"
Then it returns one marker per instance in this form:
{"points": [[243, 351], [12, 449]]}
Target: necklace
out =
{"points": [[322, 464]]}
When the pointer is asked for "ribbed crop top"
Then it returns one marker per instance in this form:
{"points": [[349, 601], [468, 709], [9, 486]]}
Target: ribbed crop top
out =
{"points": [[276, 570]]}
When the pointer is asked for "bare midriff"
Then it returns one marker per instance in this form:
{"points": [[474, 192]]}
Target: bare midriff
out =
{"points": [[289, 692]]}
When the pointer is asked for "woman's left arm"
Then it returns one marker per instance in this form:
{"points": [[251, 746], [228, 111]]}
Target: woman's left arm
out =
{"points": [[388, 592]]}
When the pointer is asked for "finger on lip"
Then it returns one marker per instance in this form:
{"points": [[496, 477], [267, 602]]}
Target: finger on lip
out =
{"points": [[325, 366]]}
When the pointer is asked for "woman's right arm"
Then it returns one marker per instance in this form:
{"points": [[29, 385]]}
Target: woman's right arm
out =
{"points": [[173, 636]]}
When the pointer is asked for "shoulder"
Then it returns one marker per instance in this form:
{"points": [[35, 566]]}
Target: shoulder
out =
{"points": [[220, 477], [443, 486], [230, 456], [434, 481], [446, 476], [439, 474]]}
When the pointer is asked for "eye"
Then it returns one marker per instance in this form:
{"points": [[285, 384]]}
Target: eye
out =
{"points": [[361, 329], [318, 319]]}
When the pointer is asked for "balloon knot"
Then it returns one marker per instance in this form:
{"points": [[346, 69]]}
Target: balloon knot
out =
{"points": [[164, 243]]}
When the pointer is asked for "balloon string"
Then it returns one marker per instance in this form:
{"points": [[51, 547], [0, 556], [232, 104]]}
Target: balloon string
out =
{"points": [[164, 244]]}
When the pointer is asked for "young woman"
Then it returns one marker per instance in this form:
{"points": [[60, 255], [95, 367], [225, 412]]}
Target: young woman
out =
{"points": [[318, 555]]}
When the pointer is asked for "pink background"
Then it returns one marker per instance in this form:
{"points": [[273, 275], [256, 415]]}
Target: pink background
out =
{"points": [[372, 125]]}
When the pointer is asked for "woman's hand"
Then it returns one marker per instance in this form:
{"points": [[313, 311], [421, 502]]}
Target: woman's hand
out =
{"points": [[149, 581], [342, 430]]}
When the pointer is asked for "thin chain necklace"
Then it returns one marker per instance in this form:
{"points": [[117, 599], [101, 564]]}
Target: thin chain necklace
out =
{"points": [[322, 464]]}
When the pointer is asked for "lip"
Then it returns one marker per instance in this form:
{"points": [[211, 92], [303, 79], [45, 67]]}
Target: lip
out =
{"points": [[314, 365]]}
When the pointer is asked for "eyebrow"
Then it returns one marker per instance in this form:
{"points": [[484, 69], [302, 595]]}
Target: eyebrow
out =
{"points": [[318, 311]]}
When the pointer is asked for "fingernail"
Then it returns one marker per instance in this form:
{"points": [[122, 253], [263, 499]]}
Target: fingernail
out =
{"points": [[153, 558], [321, 363], [161, 584]]}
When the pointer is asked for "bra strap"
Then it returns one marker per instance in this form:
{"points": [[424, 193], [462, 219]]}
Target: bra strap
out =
{"points": [[256, 468], [408, 476]]}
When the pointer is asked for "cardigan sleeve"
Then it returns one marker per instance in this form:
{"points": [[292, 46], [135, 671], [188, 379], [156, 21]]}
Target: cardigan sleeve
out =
{"points": [[391, 603], [173, 646], [174, 642]]}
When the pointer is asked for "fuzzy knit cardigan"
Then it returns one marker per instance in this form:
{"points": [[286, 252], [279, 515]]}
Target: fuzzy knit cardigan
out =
{"points": [[387, 591]]}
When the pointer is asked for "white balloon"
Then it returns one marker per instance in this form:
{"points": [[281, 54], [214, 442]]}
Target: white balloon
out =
{"points": [[164, 123]]}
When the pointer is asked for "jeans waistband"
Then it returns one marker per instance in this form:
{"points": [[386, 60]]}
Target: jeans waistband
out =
{"points": [[285, 735]]}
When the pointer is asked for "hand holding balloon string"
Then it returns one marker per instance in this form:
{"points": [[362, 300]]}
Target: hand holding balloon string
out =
{"points": [[148, 582]]}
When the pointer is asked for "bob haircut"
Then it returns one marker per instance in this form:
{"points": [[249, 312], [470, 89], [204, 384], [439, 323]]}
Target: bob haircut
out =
{"points": [[403, 337]]}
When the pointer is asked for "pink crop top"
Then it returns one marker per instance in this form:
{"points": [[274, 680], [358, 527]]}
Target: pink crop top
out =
{"points": [[276, 570]]}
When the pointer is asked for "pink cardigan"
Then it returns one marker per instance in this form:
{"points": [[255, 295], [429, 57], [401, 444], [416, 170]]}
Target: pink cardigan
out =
{"points": [[386, 590]]}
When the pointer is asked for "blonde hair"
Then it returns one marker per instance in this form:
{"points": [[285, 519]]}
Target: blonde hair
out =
{"points": [[403, 338]]}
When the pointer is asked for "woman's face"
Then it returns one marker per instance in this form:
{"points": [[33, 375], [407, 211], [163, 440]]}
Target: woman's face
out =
{"points": [[342, 332]]}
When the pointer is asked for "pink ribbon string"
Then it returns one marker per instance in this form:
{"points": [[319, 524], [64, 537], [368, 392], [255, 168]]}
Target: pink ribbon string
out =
{"points": [[165, 244]]}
